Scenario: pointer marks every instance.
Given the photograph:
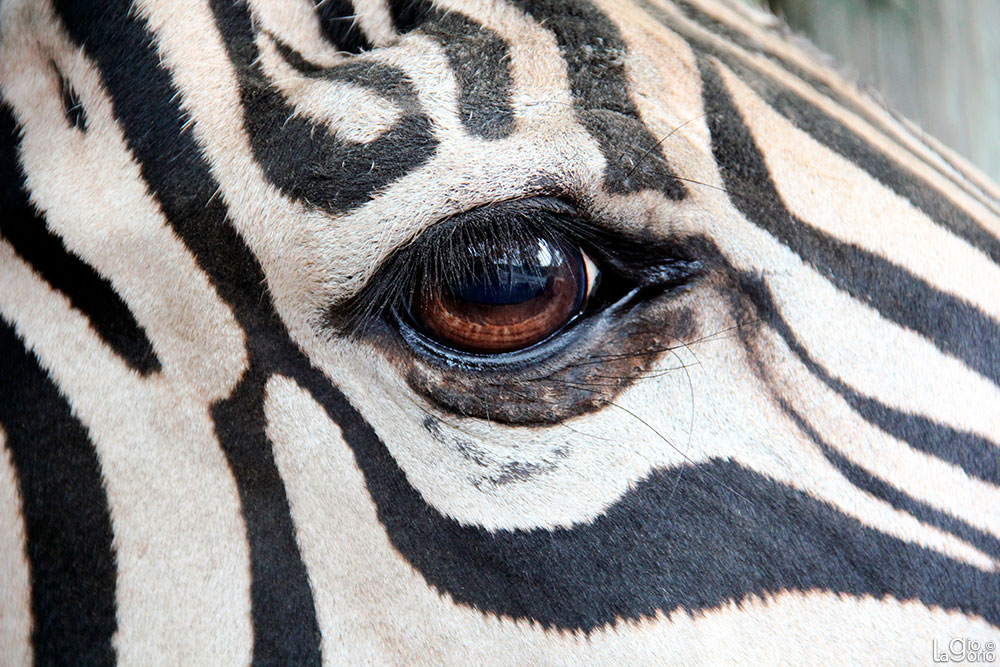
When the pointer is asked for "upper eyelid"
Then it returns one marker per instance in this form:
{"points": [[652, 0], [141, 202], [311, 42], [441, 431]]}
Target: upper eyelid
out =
{"points": [[642, 262], [394, 274]]}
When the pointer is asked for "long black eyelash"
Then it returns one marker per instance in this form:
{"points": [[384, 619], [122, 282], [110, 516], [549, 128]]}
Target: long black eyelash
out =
{"points": [[441, 255]]}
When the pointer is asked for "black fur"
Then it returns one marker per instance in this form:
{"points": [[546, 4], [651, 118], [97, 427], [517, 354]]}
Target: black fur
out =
{"points": [[693, 538], [748, 43], [595, 55], [72, 107], [408, 15], [24, 227], [305, 160], [147, 106], [66, 517], [481, 63], [339, 27], [954, 326], [293, 637], [975, 455]]}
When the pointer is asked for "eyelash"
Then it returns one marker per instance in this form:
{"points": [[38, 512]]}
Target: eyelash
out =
{"points": [[631, 269]]}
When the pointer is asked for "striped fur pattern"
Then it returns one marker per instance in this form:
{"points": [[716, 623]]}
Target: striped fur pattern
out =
{"points": [[211, 454]]}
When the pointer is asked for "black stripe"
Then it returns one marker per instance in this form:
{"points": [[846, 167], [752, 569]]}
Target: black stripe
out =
{"points": [[751, 45], [66, 517], [867, 482], [305, 160], [339, 26], [838, 138], [72, 106], [976, 455], [595, 53], [692, 538], [480, 61], [408, 15], [147, 106], [24, 227], [275, 557], [951, 324]]}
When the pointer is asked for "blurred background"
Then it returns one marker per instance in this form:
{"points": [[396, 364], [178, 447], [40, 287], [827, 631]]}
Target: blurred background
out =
{"points": [[935, 61]]}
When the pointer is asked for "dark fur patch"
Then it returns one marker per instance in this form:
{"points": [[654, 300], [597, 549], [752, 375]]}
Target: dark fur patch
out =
{"points": [[339, 27], [610, 357], [72, 106], [67, 520], [480, 61], [408, 15]]}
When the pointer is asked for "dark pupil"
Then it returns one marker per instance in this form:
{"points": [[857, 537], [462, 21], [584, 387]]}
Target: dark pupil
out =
{"points": [[510, 276], [502, 296], [502, 285]]}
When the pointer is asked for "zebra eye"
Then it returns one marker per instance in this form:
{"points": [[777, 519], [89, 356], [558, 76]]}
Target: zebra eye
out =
{"points": [[504, 296]]}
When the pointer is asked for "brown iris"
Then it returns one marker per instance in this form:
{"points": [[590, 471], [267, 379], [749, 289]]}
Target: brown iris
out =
{"points": [[504, 298]]}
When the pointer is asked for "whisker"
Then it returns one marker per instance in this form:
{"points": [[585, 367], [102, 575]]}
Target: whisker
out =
{"points": [[660, 143], [666, 440], [595, 359]]}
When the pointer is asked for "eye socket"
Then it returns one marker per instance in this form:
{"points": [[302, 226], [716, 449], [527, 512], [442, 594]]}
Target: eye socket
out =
{"points": [[505, 295], [510, 285]]}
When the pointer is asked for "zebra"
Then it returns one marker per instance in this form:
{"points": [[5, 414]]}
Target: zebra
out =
{"points": [[492, 331]]}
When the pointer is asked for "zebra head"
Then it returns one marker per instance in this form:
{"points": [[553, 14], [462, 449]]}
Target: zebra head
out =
{"points": [[383, 331]]}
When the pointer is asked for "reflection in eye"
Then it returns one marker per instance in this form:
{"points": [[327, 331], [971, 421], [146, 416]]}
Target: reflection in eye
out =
{"points": [[505, 297]]}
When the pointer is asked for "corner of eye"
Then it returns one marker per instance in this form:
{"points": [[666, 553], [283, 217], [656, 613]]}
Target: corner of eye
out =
{"points": [[591, 272]]}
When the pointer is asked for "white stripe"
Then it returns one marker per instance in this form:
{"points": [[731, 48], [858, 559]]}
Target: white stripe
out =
{"points": [[183, 589], [374, 608], [879, 360], [100, 208], [15, 600], [834, 195], [900, 147], [334, 104], [376, 22], [296, 23]]}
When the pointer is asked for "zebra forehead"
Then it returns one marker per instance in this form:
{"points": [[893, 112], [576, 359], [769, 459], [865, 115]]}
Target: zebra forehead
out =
{"points": [[476, 117], [482, 330]]}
